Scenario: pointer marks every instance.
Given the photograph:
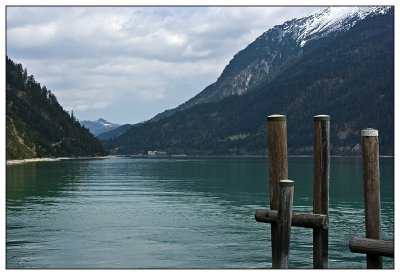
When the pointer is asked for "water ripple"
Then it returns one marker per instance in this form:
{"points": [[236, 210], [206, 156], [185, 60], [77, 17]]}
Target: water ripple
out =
{"points": [[171, 213]]}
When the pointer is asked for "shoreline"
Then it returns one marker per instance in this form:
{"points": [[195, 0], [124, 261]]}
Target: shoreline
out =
{"points": [[237, 156], [22, 161]]}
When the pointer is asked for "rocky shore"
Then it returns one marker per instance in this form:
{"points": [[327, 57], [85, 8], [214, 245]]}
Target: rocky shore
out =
{"points": [[21, 161]]}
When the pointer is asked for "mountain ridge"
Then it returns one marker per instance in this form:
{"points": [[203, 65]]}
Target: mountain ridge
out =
{"points": [[114, 132], [99, 126], [273, 49], [341, 74]]}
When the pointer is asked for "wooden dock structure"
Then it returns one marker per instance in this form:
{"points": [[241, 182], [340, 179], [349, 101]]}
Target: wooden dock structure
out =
{"points": [[372, 245], [280, 214]]}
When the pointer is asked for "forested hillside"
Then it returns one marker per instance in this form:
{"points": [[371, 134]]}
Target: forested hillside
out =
{"points": [[37, 125]]}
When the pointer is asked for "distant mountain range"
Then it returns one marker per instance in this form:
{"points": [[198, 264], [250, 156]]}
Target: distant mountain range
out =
{"points": [[337, 61], [99, 126], [37, 125], [114, 132]]}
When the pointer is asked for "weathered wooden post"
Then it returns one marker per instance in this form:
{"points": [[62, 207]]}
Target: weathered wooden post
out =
{"points": [[321, 188], [372, 244], [372, 202], [278, 170], [286, 190]]}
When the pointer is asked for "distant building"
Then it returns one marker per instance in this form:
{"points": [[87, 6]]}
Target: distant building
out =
{"points": [[156, 153]]}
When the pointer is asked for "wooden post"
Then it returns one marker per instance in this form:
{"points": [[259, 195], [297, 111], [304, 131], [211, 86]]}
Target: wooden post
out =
{"points": [[321, 188], [286, 189], [372, 203], [278, 170]]}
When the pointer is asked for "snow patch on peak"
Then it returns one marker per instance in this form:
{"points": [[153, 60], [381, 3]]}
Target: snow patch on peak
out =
{"points": [[103, 122], [99, 126], [333, 19]]}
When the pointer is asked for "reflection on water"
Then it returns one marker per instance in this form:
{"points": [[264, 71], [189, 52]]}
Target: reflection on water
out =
{"points": [[175, 213]]}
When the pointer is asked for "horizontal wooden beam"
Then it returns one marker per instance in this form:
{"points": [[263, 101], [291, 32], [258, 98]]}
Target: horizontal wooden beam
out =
{"points": [[315, 221], [371, 247]]}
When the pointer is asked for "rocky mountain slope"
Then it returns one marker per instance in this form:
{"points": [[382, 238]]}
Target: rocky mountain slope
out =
{"points": [[264, 58], [338, 61]]}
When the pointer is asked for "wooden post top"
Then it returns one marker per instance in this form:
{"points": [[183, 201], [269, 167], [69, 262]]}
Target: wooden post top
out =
{"points": [[369, 132], [276, 118], [286, 183], [322, 118]]}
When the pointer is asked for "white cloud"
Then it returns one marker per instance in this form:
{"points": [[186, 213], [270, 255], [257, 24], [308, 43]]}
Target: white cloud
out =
{"points": [[94, 58], [36, 35]]}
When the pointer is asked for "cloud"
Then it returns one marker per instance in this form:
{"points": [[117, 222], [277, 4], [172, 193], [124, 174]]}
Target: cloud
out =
{"points": [[94, 58]]}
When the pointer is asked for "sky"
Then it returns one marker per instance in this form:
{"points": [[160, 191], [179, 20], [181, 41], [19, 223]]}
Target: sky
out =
{"points": [[127, 64]]}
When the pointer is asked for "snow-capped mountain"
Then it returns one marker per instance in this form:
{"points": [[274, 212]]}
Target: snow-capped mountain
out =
{"points": [[263, 59], [99, 126], [337, 61], [330, 20]]}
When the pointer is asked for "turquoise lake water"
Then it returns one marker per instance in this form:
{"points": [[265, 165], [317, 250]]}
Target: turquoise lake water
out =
{"points": [[176, 213]]}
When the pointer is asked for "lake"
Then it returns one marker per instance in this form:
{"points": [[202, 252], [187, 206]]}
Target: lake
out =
{"points": [[176, 213]]}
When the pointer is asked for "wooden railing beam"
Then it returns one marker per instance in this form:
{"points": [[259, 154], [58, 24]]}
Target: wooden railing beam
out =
{"points": [[372, 247], [315, 221]]}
